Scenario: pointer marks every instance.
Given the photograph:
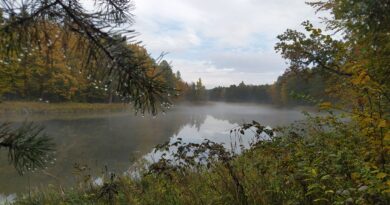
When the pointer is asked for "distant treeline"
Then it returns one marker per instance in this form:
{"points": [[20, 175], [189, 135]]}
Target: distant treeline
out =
{"points": [[241, 93], [291, 88]]}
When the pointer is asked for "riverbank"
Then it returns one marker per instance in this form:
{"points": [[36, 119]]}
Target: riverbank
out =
{"points": [[23, 108]]}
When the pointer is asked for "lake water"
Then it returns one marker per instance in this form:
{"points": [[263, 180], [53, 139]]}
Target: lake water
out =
{"points": [[115, 140]]}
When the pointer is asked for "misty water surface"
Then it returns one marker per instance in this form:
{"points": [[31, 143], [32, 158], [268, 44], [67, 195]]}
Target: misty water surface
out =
{"points": [[116, 140]]}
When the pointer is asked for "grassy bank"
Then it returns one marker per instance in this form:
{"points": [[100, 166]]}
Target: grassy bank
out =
{"points": [[320, 161], [23, 108]]}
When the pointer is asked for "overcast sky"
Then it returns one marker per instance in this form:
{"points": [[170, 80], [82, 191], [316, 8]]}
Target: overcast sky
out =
{"points": [[221, 41]]}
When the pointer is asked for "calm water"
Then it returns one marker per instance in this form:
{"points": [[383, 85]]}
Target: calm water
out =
{"points": [[116, 140]]}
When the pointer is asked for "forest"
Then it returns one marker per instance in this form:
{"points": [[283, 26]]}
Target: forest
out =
{"points": [[57, 51]]}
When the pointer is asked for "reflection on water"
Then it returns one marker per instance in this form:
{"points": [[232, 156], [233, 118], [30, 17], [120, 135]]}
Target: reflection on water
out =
{"points": [[116, 140], [211, 129]]}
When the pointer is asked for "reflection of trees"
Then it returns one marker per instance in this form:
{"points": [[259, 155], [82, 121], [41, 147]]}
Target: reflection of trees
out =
{"points": [[244, 113], [197, 120], [277, 118]]}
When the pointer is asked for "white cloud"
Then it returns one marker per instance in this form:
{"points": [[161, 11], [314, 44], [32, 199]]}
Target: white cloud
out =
{"points": [[233, 38], [170, 41], [247, 61], [232, 22]]}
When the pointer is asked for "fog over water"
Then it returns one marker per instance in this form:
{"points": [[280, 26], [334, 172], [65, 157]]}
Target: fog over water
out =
{"points": [[115, 140]]}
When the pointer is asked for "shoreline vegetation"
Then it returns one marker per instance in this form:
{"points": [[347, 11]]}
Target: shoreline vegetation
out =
{"points": [[27, 108]]}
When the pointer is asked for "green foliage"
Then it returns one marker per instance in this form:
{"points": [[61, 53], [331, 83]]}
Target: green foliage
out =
{"points": [[357, 65]]}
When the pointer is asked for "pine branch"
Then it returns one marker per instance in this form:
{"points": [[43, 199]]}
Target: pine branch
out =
{"points": [[28, 149]]}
